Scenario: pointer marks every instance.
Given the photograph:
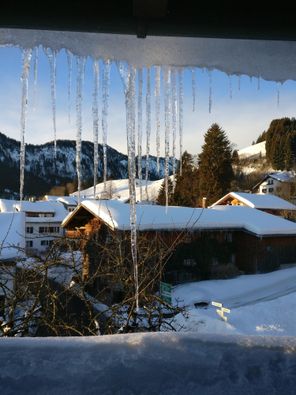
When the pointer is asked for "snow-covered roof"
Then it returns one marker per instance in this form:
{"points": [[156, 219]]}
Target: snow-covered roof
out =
{"points": [[12, 235], [283, 176], [119, 189], [35, 207], [7, 206], [67, 200], [259, 201], [151, 217], [253, 151], [232, 56], [57, 210]]}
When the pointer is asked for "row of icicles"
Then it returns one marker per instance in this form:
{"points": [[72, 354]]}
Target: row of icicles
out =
{"points": [[168, 91]]}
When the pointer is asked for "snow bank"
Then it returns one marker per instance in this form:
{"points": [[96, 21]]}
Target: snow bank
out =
{"points": [[261, 304], [251, 57], [158, 363]]}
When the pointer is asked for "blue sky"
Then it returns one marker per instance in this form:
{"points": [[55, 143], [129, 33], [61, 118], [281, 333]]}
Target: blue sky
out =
{"points": [[243, 117]]}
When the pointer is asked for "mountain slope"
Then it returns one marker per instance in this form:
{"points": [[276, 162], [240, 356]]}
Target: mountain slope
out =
{"points": [[43, 171]]}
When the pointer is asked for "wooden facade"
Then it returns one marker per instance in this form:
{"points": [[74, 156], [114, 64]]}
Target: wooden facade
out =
{"points": [[191, 255]]}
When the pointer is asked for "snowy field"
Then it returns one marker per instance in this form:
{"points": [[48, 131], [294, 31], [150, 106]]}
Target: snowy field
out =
{"points": [[260, 304]]}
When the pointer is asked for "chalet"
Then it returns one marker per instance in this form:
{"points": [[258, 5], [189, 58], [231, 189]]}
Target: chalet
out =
{"points": [[42, 221], [269, 203], [281, 183], [252, 240]]}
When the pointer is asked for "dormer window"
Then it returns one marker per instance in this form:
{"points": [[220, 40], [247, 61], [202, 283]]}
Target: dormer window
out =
{"points": [[38, 215]]}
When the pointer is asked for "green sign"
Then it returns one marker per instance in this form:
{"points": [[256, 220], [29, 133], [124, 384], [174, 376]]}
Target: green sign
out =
{"points": [[166, 292]]}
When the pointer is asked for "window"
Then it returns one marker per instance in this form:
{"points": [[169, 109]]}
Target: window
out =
{"points": [[40, 215], [270, 181], [264, 190], [29, 229], [270, 189], [49, 229], [228, 237], [46, 242], [189, 262], [29, 243]]}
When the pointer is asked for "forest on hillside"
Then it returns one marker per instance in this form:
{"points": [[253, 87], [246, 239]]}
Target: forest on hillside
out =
{"points": [[280, 140], [219, 169]]}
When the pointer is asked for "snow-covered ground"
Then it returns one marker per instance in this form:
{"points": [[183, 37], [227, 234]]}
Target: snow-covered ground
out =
{"points": [[119, 189], [253, 151], [260, 304]]}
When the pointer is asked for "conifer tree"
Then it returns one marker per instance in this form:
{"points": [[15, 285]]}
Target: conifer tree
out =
{"points": [[161, 199], [186, 191], [215, 165], [281, 143]]}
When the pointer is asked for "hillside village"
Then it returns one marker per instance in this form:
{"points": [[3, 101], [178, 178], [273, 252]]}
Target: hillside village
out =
{"points": [[81, 250]]}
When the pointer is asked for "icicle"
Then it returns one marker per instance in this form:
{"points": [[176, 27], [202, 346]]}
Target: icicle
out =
{"points": [[239, 82], [27, 55], [129, 79], [51, 54], [140, 120], [105, 99], [251, 79], [148, 127], [210, 91], [258, 83], [35, 69], [180, 108], [174, 121], [157, 113], [167, 117], [79, 86], [69, 61], [193, 85], [278, 94], [95, 113], [230, 86]]}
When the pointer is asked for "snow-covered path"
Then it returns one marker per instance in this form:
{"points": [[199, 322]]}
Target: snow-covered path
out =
{"points": [[241, 291], [261, 304]]}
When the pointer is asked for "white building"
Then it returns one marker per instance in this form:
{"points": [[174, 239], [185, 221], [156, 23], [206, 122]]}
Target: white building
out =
{"points": [[281, 183], [42, 221]]}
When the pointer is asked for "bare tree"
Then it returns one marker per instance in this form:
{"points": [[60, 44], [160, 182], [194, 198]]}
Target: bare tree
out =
{"points": [[66, 292]]}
